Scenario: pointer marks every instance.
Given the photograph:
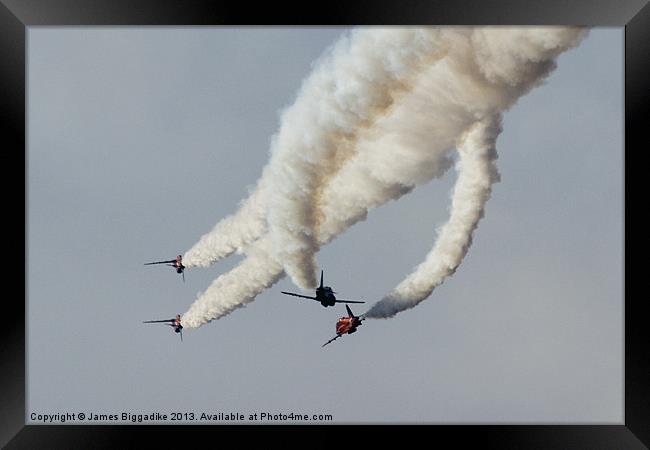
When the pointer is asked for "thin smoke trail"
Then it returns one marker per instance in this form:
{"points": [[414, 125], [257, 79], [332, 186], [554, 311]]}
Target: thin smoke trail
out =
{"points": [[476, 174], [234, 232]]}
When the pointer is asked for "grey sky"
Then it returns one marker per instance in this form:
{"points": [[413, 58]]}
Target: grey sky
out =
{"points": [[141, 139]]}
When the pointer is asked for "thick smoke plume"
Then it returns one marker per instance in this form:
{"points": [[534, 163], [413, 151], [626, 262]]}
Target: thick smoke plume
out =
{"points": [[382, 112]]}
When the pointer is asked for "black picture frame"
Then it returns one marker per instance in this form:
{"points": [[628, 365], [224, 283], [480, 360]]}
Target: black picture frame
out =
{"points": [[17, 15]]}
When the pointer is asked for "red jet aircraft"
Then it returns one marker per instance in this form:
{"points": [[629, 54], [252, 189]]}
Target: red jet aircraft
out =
{"points": [[176, 263], [175, 323], [346, 325]]}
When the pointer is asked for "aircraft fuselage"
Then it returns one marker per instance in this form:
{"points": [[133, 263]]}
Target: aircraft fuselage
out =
{"points": [[325, 296], [347, 325]]}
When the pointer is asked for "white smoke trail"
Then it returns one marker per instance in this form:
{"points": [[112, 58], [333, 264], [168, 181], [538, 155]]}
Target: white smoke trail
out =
{"points": [[476, 174], [232, 290], [326, 176], [234, 232]]}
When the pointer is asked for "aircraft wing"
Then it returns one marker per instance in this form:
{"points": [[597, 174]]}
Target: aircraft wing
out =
{"points": [[160, 262], [346, 301], [332, 340], [298, 295], [158, 321]]}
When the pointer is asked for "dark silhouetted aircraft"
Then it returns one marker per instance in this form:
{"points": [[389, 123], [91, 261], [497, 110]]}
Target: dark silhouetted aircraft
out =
{"points": [[346, 325], [324, 295], [175, 323], [176, 263]]}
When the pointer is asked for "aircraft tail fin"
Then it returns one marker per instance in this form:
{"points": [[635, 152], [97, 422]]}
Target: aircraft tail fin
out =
{"points": [[349, 311], [321, 279]]}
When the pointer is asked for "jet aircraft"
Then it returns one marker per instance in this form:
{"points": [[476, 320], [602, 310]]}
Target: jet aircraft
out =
{"points": [[346, 325], [175, 323], [324, 295], [176, 263]]}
